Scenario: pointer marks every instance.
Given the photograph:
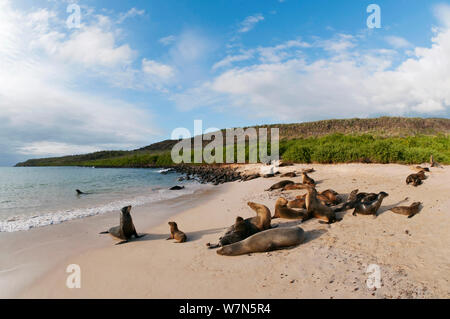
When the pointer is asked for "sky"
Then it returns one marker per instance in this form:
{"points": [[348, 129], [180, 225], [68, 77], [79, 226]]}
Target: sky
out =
{"points": [[127, 73]]}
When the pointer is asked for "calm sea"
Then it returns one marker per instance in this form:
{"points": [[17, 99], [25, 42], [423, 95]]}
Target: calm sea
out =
{"points": [[32, 197]]}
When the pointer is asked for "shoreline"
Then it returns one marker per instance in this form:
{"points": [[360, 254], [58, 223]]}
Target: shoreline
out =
{"points": [[332, 262], [20, 267]]}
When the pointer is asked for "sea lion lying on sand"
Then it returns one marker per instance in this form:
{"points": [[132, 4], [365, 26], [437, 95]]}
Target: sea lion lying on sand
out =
{"points": [[126, 228], [367, 207], [176, 234], [290, 174], [409, 211], [349, 203], [176, 188], [415, 179], [264, 241], [420, 168], [283, 211], [246, 227], [280, 185], [297, 203], [315, 208], [291, 187]]}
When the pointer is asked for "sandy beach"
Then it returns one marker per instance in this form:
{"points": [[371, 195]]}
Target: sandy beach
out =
{"points": [[413, 254]]}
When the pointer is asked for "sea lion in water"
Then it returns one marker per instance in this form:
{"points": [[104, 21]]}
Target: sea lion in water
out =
{"points": [[264, 241], [409, 211], [176, 234], [280, 185], [176, 188], [282, 211], [126, 228], [366, 207], [246, 227], [307, 180]]}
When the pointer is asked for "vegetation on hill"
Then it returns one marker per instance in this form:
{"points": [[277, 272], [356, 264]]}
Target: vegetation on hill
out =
{"points": [[379, 140]]}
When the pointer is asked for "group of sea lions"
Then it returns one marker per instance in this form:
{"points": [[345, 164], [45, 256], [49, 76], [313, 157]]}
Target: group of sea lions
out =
{"points": [[256, 234]]}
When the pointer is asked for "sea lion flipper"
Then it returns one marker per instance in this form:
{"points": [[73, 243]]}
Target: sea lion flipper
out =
{"points": [[122, 242], [104, 232]]}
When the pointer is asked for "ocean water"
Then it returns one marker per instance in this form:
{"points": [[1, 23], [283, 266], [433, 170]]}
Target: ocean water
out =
{"points": [[40, 196]]}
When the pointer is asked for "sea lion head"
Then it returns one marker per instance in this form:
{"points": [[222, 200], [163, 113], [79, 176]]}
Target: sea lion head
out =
{"points": [[281, 202], [253, 205], [224, 250], [383, 194], [173, 225], [126, 210]]}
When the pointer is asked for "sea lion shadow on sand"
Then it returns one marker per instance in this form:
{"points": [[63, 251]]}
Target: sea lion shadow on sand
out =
{"points": [[386, 208], [314, 234]]}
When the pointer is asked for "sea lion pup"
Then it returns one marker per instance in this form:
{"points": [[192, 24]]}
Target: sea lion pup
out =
{"points": [[246, 227], [315, 208], [414, 179], [307, 180], [264, 241], [366, 207], [290, 174], [282, 211], [409, 211], [176, 234], [126, 228], [279, 185]]}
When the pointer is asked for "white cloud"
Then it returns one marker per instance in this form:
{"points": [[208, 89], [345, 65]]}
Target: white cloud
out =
{"points": [[42, 98], [345, 82], [158, 70], [442, 13], [230, 59], [398, 42], [250, 22], [133, 12], [167, 40], [44, 148]]}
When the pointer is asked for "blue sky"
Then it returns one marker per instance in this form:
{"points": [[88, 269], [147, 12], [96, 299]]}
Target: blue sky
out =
{"points": [[135, 70]]}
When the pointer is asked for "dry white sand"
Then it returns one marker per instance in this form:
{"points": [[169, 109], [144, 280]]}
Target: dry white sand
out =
{"points": [[413, 254]]}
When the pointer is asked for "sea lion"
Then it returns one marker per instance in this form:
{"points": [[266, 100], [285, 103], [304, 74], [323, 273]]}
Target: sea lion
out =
{"points": [[176, 188], [409, 211], [297, 203], [433, 163], [349, 203], [366, 207], [282, 211], [126, 228], [264, 241], [307, 180], [292, 187], [420, 168], [315, 208], [308, 170], [247, 227], [332, 196], [176, 234], [414, 179], [279, 185], [290, 174]]}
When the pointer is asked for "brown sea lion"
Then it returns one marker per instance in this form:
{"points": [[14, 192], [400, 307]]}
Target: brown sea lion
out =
{"points": [[332, 196], [308, 170], [366, 207], [264, 241], [176, 234], [246, 227], [349, 203], [297, 203], [307, 180], [315, 208], [292, 187], [409, 211], [282, 211], [126, 228], [290, 174], [420, 168], [433, 163], [280, 185], [414, 179]]}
